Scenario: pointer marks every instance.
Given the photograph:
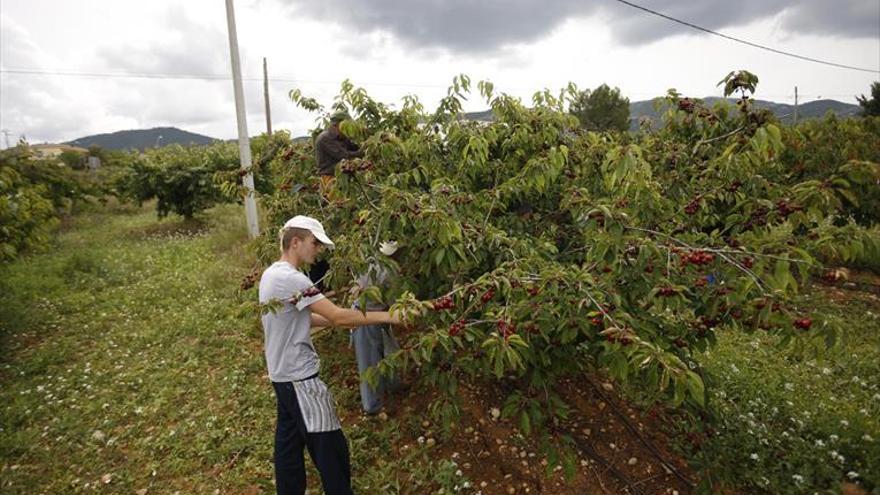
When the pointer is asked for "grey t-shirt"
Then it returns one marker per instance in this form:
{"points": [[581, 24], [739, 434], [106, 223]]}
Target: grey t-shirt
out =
{"points": [[290, 354]]}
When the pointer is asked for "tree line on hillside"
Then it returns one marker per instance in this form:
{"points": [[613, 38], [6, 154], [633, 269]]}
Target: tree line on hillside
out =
{"points": [[605, 109]]}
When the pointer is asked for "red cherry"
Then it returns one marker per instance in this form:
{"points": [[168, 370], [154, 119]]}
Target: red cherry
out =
{"points": [[442, 303], [803, 323], [487, 296], [456, 328]]}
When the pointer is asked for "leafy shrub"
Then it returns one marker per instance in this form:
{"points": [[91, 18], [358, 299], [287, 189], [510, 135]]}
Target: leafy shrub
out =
{"points": [[188, 180], [26, 214], [33, 193]]}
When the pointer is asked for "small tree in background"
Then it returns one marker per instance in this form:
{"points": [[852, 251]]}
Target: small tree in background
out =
{"points": [[871, 107], [72, 159], [98, 151], [601, 109]]}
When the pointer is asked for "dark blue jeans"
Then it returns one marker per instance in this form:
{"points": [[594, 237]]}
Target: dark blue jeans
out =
{"points": [[329, 450]]}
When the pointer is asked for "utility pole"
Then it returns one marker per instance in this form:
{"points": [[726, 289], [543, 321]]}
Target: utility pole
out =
{"points": [[6, 136], [266, 97], [244, 147], [795, 105]]}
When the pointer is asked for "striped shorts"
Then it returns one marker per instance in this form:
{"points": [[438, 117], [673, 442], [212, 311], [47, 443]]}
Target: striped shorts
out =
{"points": [[317, 405]]}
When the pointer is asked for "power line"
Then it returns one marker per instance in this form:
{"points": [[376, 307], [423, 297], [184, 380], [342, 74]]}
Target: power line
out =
{"points": [[738, 40], [197, 77]]}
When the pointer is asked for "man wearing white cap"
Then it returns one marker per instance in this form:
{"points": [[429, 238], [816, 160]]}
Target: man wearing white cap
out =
{"points": [[372, 343], [306, 410]]}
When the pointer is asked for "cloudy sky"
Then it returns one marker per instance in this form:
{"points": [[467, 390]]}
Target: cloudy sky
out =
{"points": [[71, 68]]}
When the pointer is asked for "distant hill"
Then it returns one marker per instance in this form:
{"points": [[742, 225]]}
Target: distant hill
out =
{"points": [[484, 116], [783, 111], [142, 139]]}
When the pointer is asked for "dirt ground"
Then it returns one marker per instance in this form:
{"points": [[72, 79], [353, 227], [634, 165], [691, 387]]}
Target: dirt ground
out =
{"points": [[613, 458]]}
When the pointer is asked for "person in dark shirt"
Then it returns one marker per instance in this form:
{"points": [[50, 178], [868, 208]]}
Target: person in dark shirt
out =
{"points": [[332, 146]]}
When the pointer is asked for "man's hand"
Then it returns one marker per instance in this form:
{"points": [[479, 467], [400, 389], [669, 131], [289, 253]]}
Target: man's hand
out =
{"points": [[408, 310]]}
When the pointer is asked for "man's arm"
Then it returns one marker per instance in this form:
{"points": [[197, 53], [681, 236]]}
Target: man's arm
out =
{"points": [[349, 318], [352, 147], [319, 321]]}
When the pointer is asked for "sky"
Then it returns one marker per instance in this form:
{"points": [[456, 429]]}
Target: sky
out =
{"points": [[73, 68]]}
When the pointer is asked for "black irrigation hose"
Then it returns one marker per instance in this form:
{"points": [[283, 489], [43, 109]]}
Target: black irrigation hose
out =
{"points": [[632, 429], [592, 454]]}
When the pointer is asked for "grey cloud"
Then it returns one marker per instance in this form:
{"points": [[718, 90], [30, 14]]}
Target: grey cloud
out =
{"points": [[482, 27], [843, 18], [187, 48], [849, 18], [459, 25]]}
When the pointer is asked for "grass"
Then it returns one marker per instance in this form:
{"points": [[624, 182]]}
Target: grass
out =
{"points": [[125, 363], [129, 366], [794, 420]]}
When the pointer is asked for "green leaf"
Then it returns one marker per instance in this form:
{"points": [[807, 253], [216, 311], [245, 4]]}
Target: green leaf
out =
{"points": [[524, 423], [696, 388], [439, 253]]}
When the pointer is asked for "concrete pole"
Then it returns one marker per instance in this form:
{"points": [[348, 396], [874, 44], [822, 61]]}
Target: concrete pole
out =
{"points": [[244, 147], [795, 105], [266, 97]]}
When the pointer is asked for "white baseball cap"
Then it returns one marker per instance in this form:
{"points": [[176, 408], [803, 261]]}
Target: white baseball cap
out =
{"points": [[310, 224], [388, 248]]}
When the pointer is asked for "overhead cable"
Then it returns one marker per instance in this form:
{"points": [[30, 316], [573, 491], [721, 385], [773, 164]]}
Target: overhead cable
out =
{"points": [[738, 40]]}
